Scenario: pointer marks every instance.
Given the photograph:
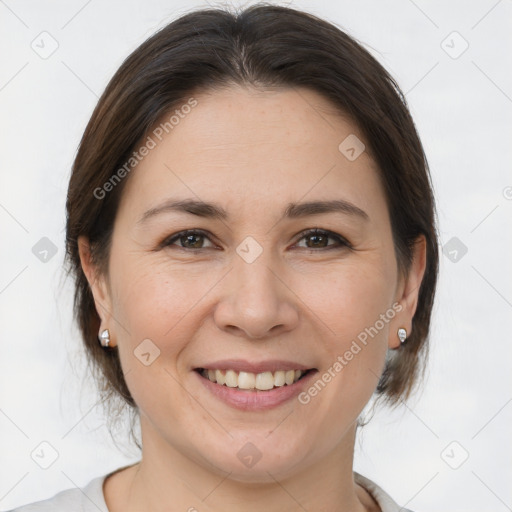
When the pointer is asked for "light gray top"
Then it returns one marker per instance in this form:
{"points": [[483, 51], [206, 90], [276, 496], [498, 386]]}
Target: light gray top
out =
{"points": [[91, 498]]}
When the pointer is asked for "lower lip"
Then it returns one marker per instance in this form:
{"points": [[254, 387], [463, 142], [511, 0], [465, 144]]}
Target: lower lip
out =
{"points": [[256, 400]]}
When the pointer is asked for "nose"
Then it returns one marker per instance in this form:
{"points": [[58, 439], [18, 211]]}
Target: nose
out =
{"points": [[256, 301]]}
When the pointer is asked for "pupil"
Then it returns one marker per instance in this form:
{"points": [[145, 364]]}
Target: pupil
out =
{"points": [[317, 237], [190, 238]]}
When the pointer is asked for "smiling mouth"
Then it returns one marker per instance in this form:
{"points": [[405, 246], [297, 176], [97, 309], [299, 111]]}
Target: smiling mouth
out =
{"points": [[247, 381]]}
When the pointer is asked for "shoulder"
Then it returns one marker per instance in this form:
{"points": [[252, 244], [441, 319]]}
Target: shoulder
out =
{"points": [[384, 500], [88, 499]]}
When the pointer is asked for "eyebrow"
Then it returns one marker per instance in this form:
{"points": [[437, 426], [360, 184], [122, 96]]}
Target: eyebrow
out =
{"points": [[292, 210]]}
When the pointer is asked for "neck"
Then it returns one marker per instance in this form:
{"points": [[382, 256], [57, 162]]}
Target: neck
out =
{"points": [[168, 479]]}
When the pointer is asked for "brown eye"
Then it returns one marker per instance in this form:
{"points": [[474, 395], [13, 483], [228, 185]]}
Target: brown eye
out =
{"points": [[190, 239], [319, 239]]}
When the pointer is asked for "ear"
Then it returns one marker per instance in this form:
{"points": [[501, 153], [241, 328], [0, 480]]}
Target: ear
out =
{"points": [[408, 292], [97, 283]]}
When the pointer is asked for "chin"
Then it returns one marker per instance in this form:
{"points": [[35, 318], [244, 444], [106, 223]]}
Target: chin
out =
{"points": [[260, 461]]}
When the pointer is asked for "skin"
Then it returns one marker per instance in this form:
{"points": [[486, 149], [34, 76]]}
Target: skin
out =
{"points": [[252, 152]]}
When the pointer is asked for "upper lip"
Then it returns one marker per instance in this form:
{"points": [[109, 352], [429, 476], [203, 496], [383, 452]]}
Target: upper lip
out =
{"points": [[241, 365]]}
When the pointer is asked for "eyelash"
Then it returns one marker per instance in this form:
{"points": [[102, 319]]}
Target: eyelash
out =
{"points": [[342, 242]]}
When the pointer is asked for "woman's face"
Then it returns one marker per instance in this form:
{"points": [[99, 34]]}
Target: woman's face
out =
{"points": [[248, 289]]}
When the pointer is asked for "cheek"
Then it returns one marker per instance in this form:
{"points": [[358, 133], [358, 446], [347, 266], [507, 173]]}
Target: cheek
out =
{"points": [[154, 310], [156, 306], [348, 297], [153, 299], [354, 304]]}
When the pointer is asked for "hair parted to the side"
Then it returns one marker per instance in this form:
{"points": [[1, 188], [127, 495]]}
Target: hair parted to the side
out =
{"points": [[259, 47]]}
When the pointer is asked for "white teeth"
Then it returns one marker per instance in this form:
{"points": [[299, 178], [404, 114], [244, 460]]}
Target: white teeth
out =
{"points": [[231, 379], [220, 377], [279, 378], [264, 381], [246, 380]]}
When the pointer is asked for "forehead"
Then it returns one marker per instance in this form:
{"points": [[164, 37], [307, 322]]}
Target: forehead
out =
{"points": [[247, 147]]}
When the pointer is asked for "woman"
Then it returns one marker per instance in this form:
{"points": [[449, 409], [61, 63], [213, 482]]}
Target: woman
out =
{"points": [[252, 233]]}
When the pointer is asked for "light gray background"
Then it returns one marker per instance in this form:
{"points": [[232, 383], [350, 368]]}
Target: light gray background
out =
{"points": [[462, 107]]}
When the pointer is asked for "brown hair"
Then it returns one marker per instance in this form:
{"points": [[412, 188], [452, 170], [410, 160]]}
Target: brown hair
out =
{"points": [[262, 46]]}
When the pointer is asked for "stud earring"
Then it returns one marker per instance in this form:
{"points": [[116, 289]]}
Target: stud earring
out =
{"points": [[402, 334], [104, 338]]}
